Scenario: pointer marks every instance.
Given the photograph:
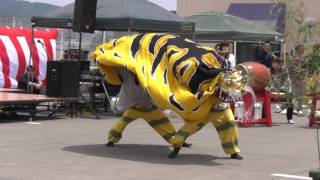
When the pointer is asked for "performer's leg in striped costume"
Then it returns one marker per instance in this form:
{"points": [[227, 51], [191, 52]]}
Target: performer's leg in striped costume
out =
{"points": [[227, 129], [156, 119], [187, 130], [115, 133], [225, 125]]}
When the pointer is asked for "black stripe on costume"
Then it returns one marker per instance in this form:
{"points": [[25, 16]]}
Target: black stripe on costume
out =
{"points": [[183, 133], [230, 144], [220, 58], [194, 53], [177, 62], [143, 70], [215, 54], [196, 109], [167, 137], [158, 58], [200, 125], [127, 119], [144, 109], [101, 50], [183, 69], [116, 55], [199, 95], [158, 122], [114, 133], [121, 78], [153, 42], [114, 43], [225, 126], [136, 80], [202, 74], [145, 89], [135, 46], [165, 76], [175, 103], [171, 52]]}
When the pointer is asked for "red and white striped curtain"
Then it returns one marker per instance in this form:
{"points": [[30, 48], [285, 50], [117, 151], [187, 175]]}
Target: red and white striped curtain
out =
{"points": [[15, 53]]}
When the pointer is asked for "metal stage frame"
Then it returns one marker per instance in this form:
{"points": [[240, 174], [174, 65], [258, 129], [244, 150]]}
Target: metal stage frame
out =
{"points": [[21, 102]]}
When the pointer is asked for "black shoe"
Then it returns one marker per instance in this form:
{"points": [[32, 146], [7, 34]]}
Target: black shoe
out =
{"points": [[110, 144], [174, 153], [186, 145], [236, 156]]}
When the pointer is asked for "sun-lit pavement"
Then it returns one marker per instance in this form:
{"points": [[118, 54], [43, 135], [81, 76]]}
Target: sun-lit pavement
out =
{"points": [[67, 149]]}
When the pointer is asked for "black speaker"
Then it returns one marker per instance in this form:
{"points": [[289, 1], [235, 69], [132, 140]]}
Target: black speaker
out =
{"points": [[84, 66], [74, 54], [84, 17], [62, 78]]}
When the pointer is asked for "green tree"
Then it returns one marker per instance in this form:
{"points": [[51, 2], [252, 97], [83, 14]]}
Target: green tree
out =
{"points": [[301, 31]]}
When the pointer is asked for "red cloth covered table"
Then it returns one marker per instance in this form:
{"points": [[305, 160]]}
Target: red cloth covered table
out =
{"points": [[249, 119], [312, 119]]}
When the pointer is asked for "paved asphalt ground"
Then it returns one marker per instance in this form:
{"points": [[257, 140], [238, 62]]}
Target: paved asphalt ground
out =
{"points": [[73, 149]]}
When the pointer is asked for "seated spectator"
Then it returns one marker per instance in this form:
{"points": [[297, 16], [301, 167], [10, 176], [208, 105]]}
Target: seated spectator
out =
{"points": [[29, 82]]}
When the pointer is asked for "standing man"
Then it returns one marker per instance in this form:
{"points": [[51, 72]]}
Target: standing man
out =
{"points": [[264, 54], [223, 49], [298, 69]]}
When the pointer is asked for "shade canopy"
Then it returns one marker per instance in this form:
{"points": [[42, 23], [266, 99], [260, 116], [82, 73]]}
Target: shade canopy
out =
{"points": [[121, 15], [217, 26]]}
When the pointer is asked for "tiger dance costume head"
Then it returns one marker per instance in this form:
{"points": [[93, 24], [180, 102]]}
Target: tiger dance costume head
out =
{"points": [[177, 73]]}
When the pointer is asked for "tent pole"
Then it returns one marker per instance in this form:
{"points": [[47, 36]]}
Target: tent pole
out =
{"points": [[31, 44], [129, 28], [104, 36], [284, 51], [80, 40], [61, 43], [14, 22], [235, 51], [69, 40], [30, 78], [194, 33]]}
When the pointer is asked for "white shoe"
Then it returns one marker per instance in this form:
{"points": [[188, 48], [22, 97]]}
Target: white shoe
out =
{"points": [[290, 121], [300, 113], [283, 111], [277, 111], [278, 108]]}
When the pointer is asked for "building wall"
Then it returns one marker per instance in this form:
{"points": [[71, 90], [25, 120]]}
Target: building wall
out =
{"points": [[190, 7]]}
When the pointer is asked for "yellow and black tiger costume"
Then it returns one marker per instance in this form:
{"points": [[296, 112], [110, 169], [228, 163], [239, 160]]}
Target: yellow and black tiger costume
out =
{"points": [[178, 74]]}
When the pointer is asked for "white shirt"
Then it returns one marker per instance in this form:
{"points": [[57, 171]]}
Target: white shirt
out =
{"points": [[131, 93], [232, 60]]}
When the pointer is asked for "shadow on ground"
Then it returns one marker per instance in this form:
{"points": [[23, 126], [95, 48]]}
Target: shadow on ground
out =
{"points": [[156, 154]]}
